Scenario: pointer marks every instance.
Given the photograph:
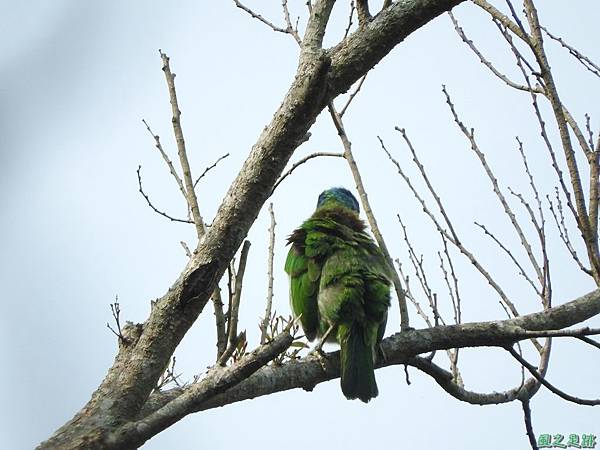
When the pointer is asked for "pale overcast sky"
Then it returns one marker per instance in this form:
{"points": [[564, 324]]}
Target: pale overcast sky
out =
{"points": [[77, 78]]}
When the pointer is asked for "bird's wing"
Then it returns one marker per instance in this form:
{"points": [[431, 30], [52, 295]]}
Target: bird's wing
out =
{"points": [[378, 280], [304, 275]]}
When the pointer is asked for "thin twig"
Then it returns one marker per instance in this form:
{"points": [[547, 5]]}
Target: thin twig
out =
{"points": [[432, 191], [353, 94], [515, 16], [470, 135], [588, 128], [210, 167], [219, 321], [115, 309], [289, 28], [451, 234], [594, 194], [431, 297], [587, 340], [186, 249], [187, 187], [230, 291], [487, 63], [302, 161], [169, 376], [540, 227], [154, 208], [267, 317], [502, 18], [559, 220], [452, 288], [510, 255], [583, 143], [167, 160], [541, 379], [352, 10], [417, 263], [528, 425], [235, 303], [411, 297], [584, 60], [260, 18]]}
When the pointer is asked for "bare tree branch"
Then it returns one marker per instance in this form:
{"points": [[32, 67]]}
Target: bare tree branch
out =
{"points": [[289, 27], [589, 341], [584, 60], [353, 94], [302, 161], [503, 19], [451, 234], [261, 18], [559, 219], [154, 208], [461, 33], [553, 389], [115, 309], [470, 135], [417, 263], [267, 318], [315, 28], [235, 304], [186, 249], [217, 380], [362, 9], [528, 424], [190, 193], [583, 223], [402, 348], [209, 168], [351, 15], [522, 271], [167, 160]]}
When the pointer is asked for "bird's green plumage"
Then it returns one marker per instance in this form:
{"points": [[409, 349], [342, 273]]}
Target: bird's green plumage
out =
{"points": [[339, 278]]}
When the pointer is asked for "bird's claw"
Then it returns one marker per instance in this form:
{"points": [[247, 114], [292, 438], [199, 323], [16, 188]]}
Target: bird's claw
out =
{"points": [[321, 356], [318, 349]]}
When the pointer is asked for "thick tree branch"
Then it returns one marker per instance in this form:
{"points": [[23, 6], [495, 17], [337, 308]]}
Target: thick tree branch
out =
{"points": [[401, 348], [362, 10], [367, 46], [218, 379]]}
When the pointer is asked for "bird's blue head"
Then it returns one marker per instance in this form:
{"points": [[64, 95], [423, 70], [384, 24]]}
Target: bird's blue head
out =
{"points": [[338, 195]]}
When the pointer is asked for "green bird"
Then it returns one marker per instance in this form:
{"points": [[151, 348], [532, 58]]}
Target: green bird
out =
{"points": [[340, 287]]}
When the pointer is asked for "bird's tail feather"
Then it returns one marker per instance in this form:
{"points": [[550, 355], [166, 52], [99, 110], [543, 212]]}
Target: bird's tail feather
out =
{"points": [[356, 359]]}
